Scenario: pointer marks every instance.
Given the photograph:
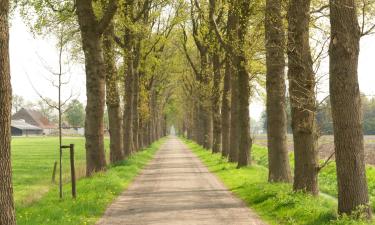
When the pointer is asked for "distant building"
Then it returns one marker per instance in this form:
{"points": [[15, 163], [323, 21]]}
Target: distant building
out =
{"points": [[36, 119], [21, 128]]}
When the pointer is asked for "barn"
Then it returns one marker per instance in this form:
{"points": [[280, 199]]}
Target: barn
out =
{"points": [[21, 128], [36, 119]]}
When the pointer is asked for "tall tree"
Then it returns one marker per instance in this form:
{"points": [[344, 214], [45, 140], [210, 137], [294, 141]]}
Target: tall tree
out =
{"points": [[278, 166], [112, 97], [302, 97], [225, 110], [242, 11], [346, 108], [92, 29], [128, 40], [7, 214], [232, 26], [215, 51], [201, 35]]}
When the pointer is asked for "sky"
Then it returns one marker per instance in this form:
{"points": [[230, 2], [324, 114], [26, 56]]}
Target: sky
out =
{"points": [[32, 59], [30, 55]]}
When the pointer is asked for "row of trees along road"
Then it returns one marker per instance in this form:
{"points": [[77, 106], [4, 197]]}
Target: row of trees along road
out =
{"points": [[195, 64], [228, 65]]}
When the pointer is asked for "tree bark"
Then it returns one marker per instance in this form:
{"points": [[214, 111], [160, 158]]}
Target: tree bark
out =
{"points": [[216, 116], [91, 32], [302, 98], [205, 104], [346, 109], [198, 129], [7, 212], [135, 112], [140, 133], [136, 90], [216, 92], [128, 97], [225, 111], [245, 142], [129, 79], [112, 97], [278, 160], [232, 27]]}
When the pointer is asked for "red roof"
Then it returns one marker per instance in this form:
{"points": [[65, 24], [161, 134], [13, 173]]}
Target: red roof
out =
{"points": [[33, 117]]}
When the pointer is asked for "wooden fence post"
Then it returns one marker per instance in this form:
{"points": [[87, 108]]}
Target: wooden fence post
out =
{"points": [[54, 172], [73, 171]]}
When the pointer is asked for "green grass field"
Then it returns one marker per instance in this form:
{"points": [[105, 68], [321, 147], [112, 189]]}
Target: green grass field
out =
{"points": [[276, 203], [33, 159], [94, 194]]}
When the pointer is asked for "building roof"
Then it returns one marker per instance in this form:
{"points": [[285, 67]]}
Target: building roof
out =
{"points": [[33, 117], [22, 125]]}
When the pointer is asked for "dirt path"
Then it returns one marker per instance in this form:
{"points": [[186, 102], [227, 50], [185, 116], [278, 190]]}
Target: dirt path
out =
{"points": [[176, 188]]}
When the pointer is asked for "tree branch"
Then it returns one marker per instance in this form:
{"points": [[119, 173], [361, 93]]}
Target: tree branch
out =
{"points": [[326, 162], [107, 17], [187, 53]]}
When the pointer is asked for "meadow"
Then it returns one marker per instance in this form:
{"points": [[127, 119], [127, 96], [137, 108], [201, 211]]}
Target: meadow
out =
{"points": [[33, 161]]}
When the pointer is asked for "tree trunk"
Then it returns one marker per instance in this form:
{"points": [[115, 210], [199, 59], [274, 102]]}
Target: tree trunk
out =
{"points": [[302, 98], [113, 98], [216, 141], [225, 110], [234, 122], [234, 128], [198, 128], [129, 78], [91, 32], [346, 109], [128, 98], [7, 212], [146, 134], [136, 90], [140, 133], [245, 141], [216, 92], [205, 104], [278, 160], [135, 111]]}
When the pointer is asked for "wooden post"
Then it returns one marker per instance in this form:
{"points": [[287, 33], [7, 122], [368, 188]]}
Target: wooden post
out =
{"points": [[54, 172], [60, 172], [72, 171]]}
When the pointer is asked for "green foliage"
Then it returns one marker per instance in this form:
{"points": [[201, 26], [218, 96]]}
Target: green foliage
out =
{"points": [[275, 202], [75, 115], [324, 117], [94, 194]]}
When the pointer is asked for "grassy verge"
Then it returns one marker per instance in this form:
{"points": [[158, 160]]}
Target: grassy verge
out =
{"points": [[327, 176], [94, 194], [33, 159], [275, 203]]}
